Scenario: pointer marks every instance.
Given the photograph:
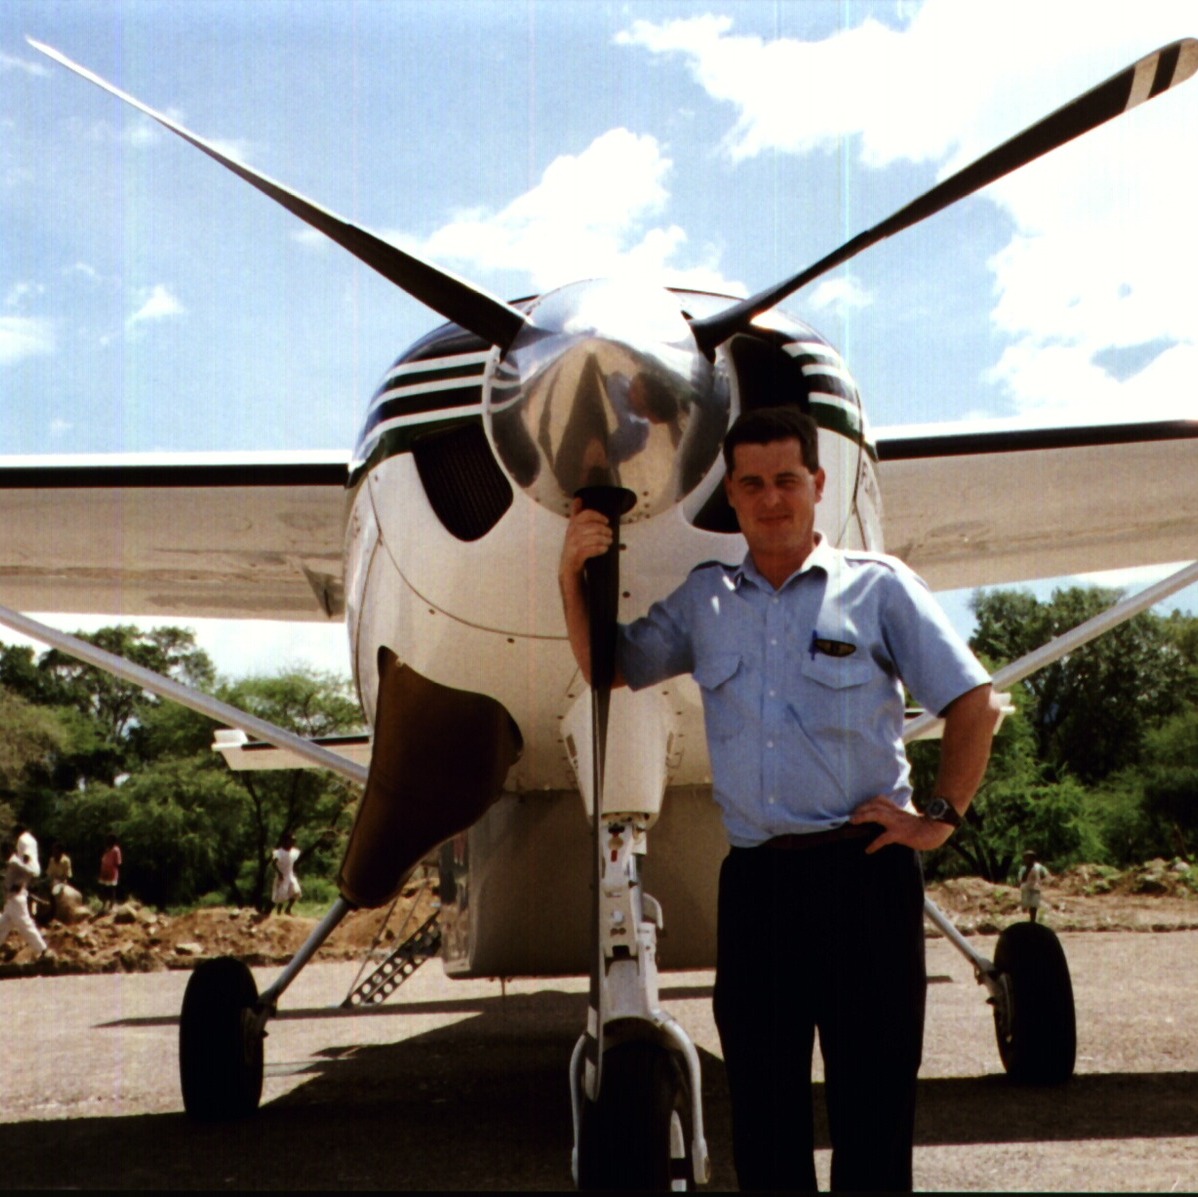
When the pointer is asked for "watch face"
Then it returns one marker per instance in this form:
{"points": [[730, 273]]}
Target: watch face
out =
{"points": [[943, 811]]}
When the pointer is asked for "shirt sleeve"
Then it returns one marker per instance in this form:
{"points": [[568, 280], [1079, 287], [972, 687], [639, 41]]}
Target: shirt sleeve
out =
{"points": [[935, 664], [658, 645]]}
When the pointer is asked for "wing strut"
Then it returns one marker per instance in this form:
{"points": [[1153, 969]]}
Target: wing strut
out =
{"points": [[1067, 642], [166, 687]]}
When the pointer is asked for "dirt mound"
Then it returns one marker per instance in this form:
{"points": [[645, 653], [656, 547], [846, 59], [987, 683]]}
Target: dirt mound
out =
{"points": [[133, 938], [1156, 896]]}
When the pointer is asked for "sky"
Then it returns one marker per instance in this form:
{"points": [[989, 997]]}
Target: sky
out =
{"points": [[150, 301]]}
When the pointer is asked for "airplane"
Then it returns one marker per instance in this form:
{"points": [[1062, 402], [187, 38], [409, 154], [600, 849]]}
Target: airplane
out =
{"points": [[436, 540]]}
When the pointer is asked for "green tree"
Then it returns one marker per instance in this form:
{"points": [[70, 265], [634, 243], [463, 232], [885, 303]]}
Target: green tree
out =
{"points": [[313, 805], [104, 730], [1170, 779], [1018, 806], [122, 761], [1091, 710], [32, 735], [182, 828]]}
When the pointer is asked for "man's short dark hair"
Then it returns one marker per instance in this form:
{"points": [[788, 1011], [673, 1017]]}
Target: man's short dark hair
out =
{"points": [[765, 425]]}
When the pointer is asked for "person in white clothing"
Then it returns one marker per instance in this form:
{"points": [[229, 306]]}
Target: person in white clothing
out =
{"points": [[286, 886], [1031, 877], [18, 873], [27, 847]]}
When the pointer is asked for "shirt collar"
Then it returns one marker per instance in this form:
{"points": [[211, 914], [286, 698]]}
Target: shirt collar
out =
{"points": [[823, 557]]}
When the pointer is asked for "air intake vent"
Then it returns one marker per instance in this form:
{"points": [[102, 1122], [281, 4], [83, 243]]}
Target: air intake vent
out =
{"points": [[462, 480]]}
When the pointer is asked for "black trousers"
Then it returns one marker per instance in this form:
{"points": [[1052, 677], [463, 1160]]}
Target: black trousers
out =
{"points": [[825, 939]]}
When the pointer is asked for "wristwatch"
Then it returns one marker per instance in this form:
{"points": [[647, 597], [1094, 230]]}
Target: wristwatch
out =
{"points": [[940, 810]]}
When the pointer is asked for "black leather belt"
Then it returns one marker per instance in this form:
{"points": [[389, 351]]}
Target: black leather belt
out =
{"points": [[820, 839]]}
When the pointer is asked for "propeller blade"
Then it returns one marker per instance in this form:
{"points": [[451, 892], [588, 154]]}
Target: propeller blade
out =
{"points": [[492, 319], [1150, 76], [602, 577]]}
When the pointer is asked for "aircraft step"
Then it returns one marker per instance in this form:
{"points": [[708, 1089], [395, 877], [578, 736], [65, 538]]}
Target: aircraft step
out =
{"points": [[399, 965]]}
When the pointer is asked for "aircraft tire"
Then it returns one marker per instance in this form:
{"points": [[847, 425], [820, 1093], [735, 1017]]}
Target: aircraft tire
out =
{"points": [[1034, 1020], [220, 1045], [637, 1136]]}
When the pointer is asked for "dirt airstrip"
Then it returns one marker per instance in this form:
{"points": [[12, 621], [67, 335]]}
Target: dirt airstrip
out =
{"points": [[460, 1085]]}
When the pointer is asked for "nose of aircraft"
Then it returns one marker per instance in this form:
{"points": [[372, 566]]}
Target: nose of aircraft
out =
{"points": [[605, 386]]}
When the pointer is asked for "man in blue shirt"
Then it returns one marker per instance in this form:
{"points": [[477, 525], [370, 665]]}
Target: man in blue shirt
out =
{"points": [[801, 653]]}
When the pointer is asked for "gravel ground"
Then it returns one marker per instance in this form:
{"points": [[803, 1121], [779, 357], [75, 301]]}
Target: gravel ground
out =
{"points": [[462, 1085]]}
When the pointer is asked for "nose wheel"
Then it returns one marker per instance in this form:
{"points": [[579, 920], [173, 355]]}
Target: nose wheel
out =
{"points": [[638, 1134], [220, 1042]]}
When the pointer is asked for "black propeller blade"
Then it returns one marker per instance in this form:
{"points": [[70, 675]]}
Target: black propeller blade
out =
{"points": [[1151, 75], [602, 576], [492, 319]]}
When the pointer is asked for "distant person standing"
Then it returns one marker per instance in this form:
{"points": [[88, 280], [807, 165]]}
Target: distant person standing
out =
{"points": [[20, 870], [1031, 877], [27, 846], [27, 850], [110, 872], [286, 885], [59, 873]]}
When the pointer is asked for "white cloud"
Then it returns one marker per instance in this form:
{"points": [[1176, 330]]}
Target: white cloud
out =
{"points": [[156, 304], [10, 62], [840, 296], [18, 293], [24, 336], [238, 648], [1101, 255], [590, 215]]}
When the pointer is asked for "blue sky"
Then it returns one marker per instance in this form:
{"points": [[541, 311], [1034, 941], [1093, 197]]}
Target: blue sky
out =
{"points": [[149, 301]]}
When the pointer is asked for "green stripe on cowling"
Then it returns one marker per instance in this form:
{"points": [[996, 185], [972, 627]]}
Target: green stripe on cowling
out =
{"points": [[399, 440], [394, 441], [412, 377]]}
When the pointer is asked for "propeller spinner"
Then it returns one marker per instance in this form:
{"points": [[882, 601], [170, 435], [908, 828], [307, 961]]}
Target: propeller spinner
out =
{"points": [[606, 387]]}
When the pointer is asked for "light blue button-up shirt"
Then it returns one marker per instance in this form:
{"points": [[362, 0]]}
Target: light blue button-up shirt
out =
{"points": [[803, 686]]}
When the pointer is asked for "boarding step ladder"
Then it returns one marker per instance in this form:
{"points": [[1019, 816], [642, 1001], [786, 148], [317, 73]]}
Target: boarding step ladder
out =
{"points": [[399, 965]]}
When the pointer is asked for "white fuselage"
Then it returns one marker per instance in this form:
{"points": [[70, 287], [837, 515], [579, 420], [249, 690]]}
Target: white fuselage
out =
{"points": [[485, 616]]}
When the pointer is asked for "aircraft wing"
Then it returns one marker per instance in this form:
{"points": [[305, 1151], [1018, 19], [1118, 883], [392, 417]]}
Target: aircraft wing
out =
{"points": [[985, 506], [235, 535]]}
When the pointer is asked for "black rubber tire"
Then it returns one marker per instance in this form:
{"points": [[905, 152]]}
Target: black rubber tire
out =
{"points": [[1037, 1033], [637, 1137], [220, 1052]]}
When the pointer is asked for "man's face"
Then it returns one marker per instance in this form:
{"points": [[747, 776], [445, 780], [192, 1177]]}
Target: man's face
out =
{"points": [[774, 496]]}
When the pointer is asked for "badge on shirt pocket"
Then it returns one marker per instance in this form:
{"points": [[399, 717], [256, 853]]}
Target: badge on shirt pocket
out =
{"points": [[831, 648], [837, 672]]}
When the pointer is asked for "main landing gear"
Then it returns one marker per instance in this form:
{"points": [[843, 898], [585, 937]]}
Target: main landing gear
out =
{"points": [[1034, 1017], [223, 1026], [220, 1042], [1032, 995]]}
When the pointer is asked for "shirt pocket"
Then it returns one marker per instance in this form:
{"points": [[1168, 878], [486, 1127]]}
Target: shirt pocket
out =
{"points": [[831, 697], [837, 673], [716, 674]]}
